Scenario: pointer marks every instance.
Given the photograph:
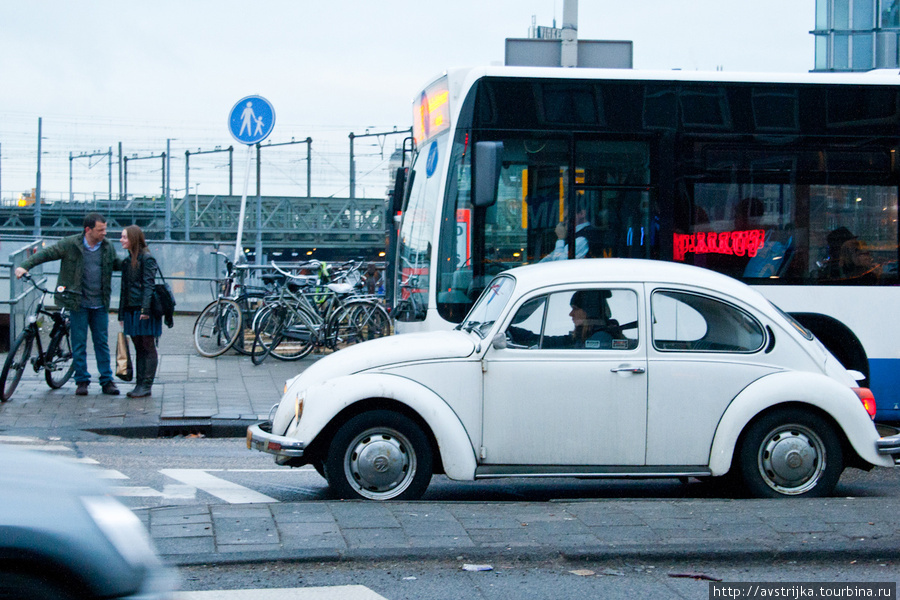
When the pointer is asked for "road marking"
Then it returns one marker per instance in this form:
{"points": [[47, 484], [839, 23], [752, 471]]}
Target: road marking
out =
{"points": [[51, 448], [15, 439], [110, 474], [170, 492], [216, 486], [337, 592], [281, 470]]}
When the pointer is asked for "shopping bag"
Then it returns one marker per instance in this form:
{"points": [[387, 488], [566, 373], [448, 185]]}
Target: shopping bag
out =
{"points": [[124, 369]]}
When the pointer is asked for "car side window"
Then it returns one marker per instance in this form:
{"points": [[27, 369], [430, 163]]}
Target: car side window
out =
{"points": [[588, 319], [692, 322], [525, 329]]}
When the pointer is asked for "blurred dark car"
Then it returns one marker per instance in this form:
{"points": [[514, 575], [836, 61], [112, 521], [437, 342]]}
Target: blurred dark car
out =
{"points": [[62, 535]]}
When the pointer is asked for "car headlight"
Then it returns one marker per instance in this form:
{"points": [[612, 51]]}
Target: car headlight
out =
{"points": [[123, 529]]}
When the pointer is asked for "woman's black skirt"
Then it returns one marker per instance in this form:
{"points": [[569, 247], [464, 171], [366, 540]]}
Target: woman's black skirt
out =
{"points": [[134, 325]]}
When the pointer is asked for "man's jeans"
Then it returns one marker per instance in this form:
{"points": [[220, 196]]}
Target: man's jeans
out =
{"points": [[97, 319]]}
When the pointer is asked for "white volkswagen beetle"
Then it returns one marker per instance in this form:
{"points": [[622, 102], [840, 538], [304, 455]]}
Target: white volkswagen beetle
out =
{"points": [[585, 368]]}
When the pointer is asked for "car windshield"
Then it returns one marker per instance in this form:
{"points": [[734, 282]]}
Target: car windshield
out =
{"points": [[489, 305]]}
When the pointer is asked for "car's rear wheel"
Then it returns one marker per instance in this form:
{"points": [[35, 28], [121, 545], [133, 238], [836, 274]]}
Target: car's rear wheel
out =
{"points": [[791, 453], [379, 455]]}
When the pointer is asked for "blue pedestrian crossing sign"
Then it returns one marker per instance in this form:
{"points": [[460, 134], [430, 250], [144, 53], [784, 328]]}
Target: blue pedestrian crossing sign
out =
{"points": [[251, 120]]}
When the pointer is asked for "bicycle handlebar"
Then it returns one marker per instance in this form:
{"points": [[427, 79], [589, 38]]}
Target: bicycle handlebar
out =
{"points": [[310, 264], [30, 279]]}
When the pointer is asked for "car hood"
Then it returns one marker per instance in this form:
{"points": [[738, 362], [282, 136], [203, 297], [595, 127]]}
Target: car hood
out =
{"points": [[391, 350]]}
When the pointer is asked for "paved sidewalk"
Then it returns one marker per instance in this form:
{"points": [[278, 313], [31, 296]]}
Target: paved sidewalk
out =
{"points": [[221, 396], [215, 396], [846, 529]]}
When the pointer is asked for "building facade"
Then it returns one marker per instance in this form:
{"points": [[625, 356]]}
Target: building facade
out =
{"points": [[857, 35]]}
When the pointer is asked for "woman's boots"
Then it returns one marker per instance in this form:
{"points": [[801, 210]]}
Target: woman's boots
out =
{"points": [[147, 360]]}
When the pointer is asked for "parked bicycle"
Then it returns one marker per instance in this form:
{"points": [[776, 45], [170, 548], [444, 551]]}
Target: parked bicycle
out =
{"points": [[227, 321], [307, 315], [55, 358]]}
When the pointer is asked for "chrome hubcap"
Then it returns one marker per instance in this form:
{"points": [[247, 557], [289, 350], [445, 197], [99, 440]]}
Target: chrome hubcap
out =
{"points": [[792, 459], [380, 464]]}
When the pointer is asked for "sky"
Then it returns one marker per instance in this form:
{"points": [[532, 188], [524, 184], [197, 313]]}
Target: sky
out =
{"points": [[101, 72]]}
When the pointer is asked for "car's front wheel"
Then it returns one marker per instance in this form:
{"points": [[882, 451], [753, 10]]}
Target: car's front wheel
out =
{"points": [[790, 453], [379, 455]]}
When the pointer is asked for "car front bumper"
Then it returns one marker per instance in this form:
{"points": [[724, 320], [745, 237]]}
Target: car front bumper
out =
{"points": [[260, 437]]}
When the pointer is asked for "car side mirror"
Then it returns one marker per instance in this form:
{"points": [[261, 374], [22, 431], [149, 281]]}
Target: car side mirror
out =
{"points": [[499, 341], [488, 161]]}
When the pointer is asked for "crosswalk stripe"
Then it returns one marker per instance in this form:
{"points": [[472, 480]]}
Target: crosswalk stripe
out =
{"points": [[170, 492], [216, 486], [110, 474], [338, 592], [15, 439], [51, 448]]}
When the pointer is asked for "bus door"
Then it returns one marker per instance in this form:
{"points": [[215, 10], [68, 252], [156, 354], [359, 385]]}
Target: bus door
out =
{"points": [[616, 212], [621, 222]]}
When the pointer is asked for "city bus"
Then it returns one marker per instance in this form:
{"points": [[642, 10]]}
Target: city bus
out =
{"points": [[788, 182]]}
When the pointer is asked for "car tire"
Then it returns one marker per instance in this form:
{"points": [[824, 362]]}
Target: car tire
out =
{"points": [[379, 455], [21, 585], [792, 453]]}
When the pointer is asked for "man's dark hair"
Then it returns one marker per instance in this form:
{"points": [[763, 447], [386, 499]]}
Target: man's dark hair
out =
{"points": [[90, 220]]}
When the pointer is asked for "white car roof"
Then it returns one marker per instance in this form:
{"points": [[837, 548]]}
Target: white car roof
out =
{"points": [[631, 270]]}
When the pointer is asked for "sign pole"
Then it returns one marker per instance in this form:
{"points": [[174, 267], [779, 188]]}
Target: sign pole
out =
{"points": [[238, 250]]}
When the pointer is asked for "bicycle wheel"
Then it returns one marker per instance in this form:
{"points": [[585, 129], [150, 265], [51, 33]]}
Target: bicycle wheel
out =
{"points": [[298, 336], [268, 334], [250, 304], [15, 364], [217, 327], [371, 320], [356, 322], [59, 363]]}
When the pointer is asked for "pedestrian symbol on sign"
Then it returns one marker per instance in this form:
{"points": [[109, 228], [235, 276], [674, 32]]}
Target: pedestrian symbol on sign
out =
{"points": [[251, 120]]}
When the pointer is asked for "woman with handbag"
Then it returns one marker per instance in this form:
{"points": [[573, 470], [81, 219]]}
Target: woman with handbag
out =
{"points": [[138, 277]]}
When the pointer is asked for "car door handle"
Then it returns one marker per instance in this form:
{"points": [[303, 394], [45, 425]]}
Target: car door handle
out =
{"points": [[624, 369]]}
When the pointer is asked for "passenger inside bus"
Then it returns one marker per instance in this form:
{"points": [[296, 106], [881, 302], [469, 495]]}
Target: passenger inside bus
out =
{"points": [[849, 261], [561, 250], [856, 264]]}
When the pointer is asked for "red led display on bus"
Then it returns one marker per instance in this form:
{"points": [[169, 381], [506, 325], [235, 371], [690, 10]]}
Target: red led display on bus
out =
{"points": [[736, 243]]}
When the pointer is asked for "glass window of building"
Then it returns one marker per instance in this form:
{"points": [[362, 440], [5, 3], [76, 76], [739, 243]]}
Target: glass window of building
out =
{"points": [[822, 14], [840, 52], [863, 51], [863, 14], [890, 13]]}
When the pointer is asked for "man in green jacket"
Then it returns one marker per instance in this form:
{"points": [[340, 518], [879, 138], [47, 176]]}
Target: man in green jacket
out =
{"points": [[84, 287]]}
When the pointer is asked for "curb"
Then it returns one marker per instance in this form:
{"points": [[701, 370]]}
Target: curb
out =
{"points": [[667, 552], [211, 428]]}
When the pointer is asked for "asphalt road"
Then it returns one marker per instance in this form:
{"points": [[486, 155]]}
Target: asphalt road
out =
{"points": [[559, 579], [177, 472]]}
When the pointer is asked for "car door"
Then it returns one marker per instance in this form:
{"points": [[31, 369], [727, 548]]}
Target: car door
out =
{"points": [[703, 351], [552, 399]]}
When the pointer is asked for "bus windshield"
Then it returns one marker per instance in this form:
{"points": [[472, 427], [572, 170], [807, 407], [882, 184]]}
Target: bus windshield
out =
{"points": [[417, 229]]}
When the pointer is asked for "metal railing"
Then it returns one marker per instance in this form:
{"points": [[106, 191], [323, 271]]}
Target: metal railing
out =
{"points": [[188, 267]]}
